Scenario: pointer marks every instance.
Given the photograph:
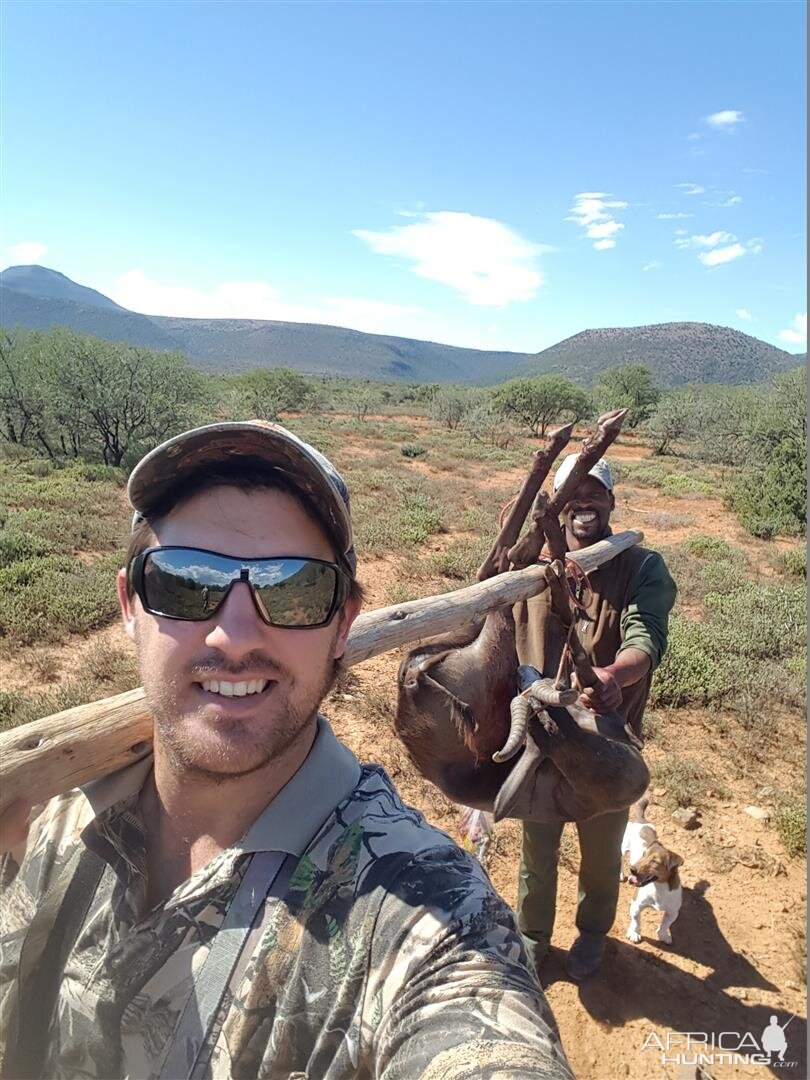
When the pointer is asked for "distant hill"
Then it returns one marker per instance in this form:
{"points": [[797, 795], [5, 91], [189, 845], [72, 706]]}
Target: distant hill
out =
{"points": [[113, 324], [676, 354], [243, 344], [34, 297], [43, 283]]}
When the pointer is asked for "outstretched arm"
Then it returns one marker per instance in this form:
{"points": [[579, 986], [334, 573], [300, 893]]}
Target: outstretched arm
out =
{"points": [[457, 995]]}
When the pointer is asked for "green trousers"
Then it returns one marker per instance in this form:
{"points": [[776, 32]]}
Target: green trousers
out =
{"points": [[600, 846]]}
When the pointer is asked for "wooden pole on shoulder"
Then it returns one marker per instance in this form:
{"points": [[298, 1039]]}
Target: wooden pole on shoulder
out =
{"points": [[51, 756]]}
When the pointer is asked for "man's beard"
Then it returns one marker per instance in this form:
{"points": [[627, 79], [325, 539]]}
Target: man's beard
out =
{"points": [[294, 712]]}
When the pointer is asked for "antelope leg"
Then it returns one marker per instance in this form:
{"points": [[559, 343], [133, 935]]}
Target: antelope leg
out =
{"points": [[527, 550], [510, 530], [550, 522], [594, 447]]}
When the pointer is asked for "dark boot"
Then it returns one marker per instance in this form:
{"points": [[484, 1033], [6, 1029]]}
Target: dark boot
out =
{"points": [[585, 956]]}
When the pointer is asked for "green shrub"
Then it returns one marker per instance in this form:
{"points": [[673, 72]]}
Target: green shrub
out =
{"points": [[791, 824], [419, 517], [412, 450], [793, 564], [44, 599], [690, 673], [680, 486], [460, 561], [759, 621], [770, 498]]}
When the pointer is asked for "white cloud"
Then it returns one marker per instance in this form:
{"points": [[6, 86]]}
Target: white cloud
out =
{"points": [[258, 300], [744, 314], [29, 251], [797, 332], [725, 120], [700, 241], [721, 255], [592, 212], [732, 200], [485, 261], [673, 217], [653, 265], [691, 189]]}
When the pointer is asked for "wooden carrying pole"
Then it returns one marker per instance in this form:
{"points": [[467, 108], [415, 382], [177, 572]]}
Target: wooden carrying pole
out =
{"points": [[57, 753]]}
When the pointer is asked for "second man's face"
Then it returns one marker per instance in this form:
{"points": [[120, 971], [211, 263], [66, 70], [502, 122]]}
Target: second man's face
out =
{"points": [[586, 515]]}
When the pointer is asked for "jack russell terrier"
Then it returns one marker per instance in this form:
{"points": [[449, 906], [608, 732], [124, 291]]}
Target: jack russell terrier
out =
{"points": [[654, 869]]}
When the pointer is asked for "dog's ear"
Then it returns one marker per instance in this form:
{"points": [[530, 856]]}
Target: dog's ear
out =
{"points": [[674, 860]]}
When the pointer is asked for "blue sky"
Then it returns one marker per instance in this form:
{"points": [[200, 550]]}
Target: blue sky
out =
{"points": [[492, 175]]}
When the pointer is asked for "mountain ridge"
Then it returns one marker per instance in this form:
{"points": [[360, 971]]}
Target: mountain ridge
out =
{"points": [[34, 297]]}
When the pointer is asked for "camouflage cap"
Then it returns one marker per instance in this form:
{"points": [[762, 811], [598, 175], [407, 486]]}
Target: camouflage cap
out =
{"points": [[183, 456]]}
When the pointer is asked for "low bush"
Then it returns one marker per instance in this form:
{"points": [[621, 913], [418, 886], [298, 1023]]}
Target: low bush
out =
{"points": [[460, 561], [44, 599], [686, 781], [412, 450], [793, 564], [751, 638], [791, 823]]}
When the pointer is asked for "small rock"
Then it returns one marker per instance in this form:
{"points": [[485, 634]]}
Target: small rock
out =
{"points": [[758, 813], [688, 817], [659, 792], [793, 986], [759, 926], [765, 793]]}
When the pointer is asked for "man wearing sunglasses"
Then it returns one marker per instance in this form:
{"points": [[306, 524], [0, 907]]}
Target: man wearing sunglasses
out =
{"points": [[250, 901]]}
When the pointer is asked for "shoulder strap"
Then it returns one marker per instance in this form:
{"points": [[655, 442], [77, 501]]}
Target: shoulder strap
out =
{"points": [[187, 1050], [48, 941]]}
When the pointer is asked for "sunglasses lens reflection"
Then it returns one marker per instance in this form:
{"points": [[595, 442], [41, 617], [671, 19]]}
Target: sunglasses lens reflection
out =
{"points": [[183, 583]]}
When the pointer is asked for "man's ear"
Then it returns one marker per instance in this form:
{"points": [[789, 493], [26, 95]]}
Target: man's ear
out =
{"points": [[612, 502], [126, 604], [351, 609]]}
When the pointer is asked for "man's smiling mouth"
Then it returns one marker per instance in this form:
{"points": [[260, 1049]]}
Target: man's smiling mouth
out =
{"points": [[584, 517], [235, 689]]}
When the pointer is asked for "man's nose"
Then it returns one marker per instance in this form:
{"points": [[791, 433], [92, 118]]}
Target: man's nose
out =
{"points": [[237, 628]]}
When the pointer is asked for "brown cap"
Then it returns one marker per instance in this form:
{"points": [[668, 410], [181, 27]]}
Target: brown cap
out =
{"points": [[177, 459]]}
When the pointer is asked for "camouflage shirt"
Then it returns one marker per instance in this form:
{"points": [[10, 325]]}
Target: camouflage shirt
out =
{"points": [[387, 953]]}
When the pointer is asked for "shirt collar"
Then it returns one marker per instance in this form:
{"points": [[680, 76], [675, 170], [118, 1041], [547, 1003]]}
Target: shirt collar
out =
{"points": [[329, 774]]}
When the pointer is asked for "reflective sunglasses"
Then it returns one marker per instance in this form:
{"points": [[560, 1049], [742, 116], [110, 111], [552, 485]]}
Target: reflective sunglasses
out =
{"points": [[191, 584]]}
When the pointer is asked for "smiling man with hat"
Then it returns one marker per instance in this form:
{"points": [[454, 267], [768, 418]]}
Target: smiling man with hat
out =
{"points": [[250, 900], [622, 625]]}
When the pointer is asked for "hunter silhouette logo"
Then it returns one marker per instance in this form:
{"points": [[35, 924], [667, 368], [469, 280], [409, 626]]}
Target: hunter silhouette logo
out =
{"points": [[724, 1047], [774, 1040]]}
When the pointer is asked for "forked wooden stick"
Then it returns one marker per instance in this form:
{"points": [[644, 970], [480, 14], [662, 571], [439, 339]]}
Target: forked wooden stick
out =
{"points": [[57, 753]]}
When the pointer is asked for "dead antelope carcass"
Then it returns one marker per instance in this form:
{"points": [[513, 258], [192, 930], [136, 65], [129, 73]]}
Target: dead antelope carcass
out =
{"points": [[499, 737]]}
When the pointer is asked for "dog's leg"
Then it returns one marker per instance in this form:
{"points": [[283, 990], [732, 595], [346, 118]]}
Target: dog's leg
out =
{"points": [[664, 934], [634, 929]]}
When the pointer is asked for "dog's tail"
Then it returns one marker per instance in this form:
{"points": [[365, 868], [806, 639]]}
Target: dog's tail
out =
{"points": [[637, 810]]}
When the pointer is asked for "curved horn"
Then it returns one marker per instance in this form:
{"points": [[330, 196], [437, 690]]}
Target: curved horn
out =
{"points": [[520, 710]]}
